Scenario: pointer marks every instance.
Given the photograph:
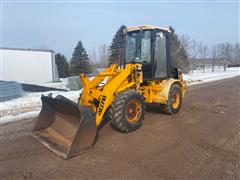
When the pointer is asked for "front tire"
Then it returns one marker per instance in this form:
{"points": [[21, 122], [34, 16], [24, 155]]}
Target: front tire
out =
{"points": [[127, 111], [174, 102]]}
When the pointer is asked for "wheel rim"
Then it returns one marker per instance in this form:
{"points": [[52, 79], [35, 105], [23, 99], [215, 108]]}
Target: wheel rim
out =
{"points": [[133, 111], [176, 100]]}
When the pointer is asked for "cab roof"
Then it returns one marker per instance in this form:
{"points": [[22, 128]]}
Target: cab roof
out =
{"points": [[144, 27]]}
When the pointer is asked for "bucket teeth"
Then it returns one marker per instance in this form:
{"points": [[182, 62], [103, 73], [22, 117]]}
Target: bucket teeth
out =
{"points": [[64, 127]]}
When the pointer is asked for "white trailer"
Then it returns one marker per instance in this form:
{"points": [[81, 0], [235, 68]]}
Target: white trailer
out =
{"points": [[28, 66]]}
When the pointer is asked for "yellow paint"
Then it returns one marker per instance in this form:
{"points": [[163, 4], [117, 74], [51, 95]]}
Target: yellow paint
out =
{"points": [[118, 80], [133, 111], [176, 101]]}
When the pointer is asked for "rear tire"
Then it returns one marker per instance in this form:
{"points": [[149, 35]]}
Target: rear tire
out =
{"points": [[127, 111], [174, 100]]}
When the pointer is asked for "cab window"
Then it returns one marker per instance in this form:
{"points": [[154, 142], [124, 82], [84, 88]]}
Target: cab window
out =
{"points": [[160, 59]]}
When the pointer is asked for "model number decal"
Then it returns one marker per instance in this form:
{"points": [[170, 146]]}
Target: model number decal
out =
{"points": [[101, 105]]}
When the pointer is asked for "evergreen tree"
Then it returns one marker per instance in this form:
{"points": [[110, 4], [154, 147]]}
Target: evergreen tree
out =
{"points": [[62, 65], [116, 48], [80, 61], [179, 56]]}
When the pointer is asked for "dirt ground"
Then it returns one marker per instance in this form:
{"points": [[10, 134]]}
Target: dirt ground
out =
{"points": [[202, 141]]}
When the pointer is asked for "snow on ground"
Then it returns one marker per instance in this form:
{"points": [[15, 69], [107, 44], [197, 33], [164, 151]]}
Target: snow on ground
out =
{"points": [[30, 104], [197, 76], [60, 85], [22, 115]]}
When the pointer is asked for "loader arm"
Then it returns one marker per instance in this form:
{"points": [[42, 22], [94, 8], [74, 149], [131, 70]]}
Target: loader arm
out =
{"points": [[68, 128], [116, 80]]}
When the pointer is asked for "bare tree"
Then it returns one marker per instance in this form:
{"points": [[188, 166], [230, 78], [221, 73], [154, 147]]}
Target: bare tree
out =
{"points": [[190, 45], [203, 51], [42, 47], [178, 55], [92, 54], [93, 58], [103, 51], [228, 52], [225, 51], [214, 54], [236, 53], [193, 51], [186, 41]]}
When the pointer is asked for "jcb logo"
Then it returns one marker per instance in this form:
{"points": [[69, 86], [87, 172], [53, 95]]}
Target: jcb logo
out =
{"points": [[101, 105]]}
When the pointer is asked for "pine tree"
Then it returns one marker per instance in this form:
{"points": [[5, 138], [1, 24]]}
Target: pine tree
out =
{"points": [[116, 48], [80, 61], [62, 65], [179, 56]]}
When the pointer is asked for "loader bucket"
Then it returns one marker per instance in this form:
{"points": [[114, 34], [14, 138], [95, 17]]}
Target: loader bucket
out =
{"points": [[64, 127]]}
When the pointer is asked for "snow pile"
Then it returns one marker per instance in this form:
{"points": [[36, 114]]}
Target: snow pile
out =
{"points": [[59, 85], [197, 76], [22, 115], [30, 104]]}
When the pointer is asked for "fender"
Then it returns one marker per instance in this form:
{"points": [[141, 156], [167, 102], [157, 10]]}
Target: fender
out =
{"points": [[167, 85]]}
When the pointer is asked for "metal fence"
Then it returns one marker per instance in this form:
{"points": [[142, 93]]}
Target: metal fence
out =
{"points": [[38, 88], [73, 83], [10, 90]]}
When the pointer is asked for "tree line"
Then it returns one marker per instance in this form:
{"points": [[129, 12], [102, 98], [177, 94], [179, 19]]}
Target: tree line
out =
{"points": [[185, 49], [200, 50], [182, 48], [227, 54], [87, 62]]}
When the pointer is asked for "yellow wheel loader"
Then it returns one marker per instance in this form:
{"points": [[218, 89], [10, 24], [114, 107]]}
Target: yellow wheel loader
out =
{"points": [[119, 93]]}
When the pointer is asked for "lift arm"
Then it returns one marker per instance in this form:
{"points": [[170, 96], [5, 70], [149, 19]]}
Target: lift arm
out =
{"points": [[114, 80]]}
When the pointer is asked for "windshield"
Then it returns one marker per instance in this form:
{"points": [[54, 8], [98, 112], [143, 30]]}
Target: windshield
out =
{"points": [[138, 47]]}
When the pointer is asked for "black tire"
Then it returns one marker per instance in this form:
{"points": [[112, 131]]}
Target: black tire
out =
{"points": [[170, 107], [117, 111]]}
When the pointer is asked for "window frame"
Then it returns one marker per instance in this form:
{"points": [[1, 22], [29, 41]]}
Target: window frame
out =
{"points": [[152, 58], [168, 59]]}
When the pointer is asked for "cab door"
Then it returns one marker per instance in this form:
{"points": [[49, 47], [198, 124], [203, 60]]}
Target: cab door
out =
{"points": [[160, 68]]}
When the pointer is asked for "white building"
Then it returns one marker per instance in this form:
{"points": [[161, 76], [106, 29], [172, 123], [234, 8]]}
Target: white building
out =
{"points": [[27, 65]]}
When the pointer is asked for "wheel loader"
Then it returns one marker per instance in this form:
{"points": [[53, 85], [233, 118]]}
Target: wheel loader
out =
{"points": [[119, 93]]}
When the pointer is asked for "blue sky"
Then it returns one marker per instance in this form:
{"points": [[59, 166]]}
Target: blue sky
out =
{"points": [[59, 26]]}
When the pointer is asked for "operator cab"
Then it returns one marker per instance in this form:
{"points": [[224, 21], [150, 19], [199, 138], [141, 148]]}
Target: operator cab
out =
{"points": [[149, 46]]}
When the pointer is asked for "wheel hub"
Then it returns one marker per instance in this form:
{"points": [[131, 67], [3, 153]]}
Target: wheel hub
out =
{"points": [[133, 111], [176, 101]]}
